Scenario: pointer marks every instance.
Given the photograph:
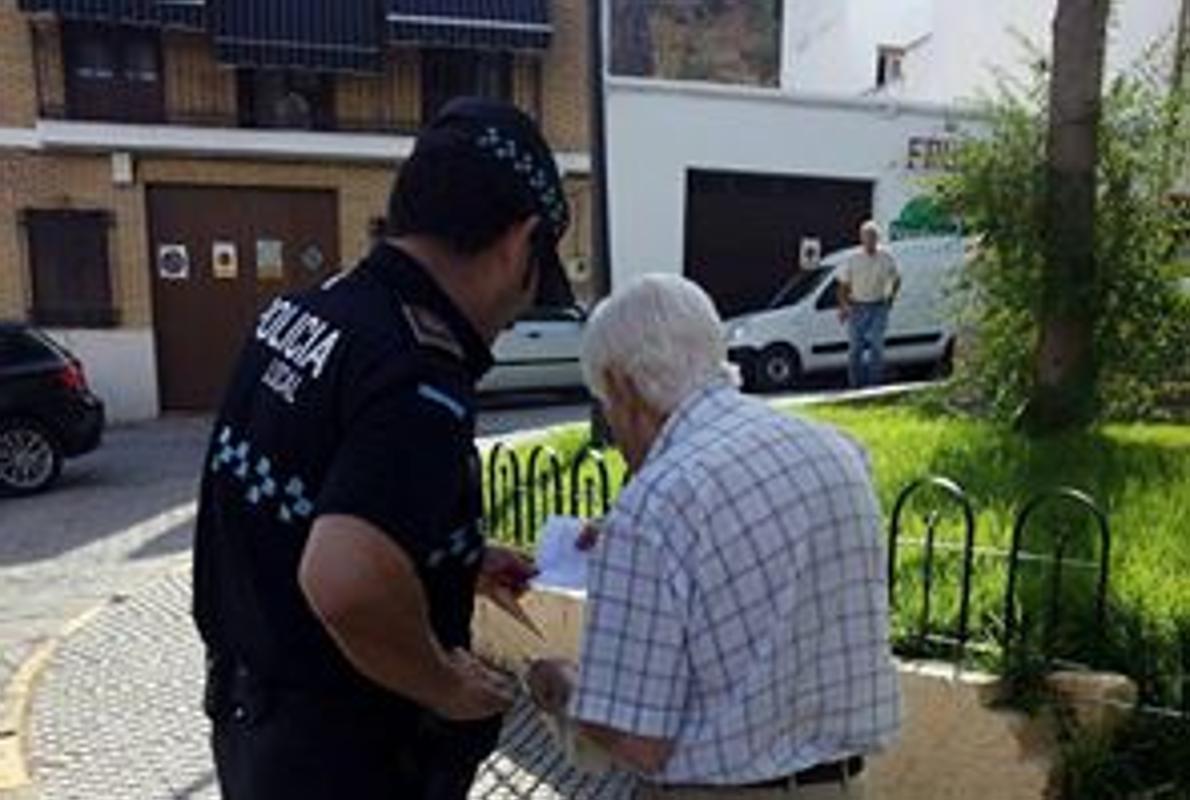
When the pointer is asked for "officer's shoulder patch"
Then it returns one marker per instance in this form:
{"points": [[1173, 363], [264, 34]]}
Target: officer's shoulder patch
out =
{"points": [[430, 330]]}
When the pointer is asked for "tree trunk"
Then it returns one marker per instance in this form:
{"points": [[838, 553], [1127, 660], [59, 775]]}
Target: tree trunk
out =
{"points": [[1063, 395], [1181, 56]]}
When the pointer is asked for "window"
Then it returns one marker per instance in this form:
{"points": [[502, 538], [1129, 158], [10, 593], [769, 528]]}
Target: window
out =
{"points": [[295, 99], [446, 74], [20, 346], [113, 74], [799, 287], [830, 296], [68, 262], [890, 65]]}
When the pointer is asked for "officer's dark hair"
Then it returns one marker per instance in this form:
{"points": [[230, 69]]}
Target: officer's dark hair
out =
{"points": [[451, 191]]}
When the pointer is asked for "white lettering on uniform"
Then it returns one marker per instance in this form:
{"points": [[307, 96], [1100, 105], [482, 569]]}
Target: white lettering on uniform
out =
{"points": [[319, 354], [266, 319], [305, 341], [282, 379]]}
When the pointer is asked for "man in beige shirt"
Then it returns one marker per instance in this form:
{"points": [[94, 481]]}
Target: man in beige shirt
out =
{"points": [[868, 285]]}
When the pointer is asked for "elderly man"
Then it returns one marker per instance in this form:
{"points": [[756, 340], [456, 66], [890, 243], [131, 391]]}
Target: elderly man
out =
{"points": [[736, 640], [868, 285]]}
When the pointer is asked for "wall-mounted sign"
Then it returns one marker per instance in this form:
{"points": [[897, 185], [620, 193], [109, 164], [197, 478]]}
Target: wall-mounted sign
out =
{"points": [[810, 252], [225, 262], [932, 153], [173, 262], [312, 258], [270, 259]]}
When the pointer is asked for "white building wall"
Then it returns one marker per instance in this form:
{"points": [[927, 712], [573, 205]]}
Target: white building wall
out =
{"points": [[121, 369], [831, 47], [657, 131], [960, 46]]}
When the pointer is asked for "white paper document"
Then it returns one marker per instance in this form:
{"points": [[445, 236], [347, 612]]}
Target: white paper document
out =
{"points": [[560, 563]]}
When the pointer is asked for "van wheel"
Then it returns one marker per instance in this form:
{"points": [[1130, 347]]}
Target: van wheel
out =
{"points": [[778, 367]]}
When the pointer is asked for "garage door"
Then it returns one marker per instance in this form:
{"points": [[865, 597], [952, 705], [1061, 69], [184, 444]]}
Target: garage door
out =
{"points": [[744, 231], [218, 255]]}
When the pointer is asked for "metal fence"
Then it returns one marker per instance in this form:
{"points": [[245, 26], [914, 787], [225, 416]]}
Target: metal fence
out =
{"points": [[1046, 593], [521, 490]]}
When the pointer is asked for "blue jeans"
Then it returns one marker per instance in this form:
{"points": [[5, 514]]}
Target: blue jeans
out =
{"points": [[866, 329]]}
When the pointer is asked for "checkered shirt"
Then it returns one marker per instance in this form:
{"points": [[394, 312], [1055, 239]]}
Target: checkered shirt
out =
{"points": [[737, 600]]}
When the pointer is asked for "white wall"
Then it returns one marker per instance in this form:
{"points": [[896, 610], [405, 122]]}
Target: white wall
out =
{"points": [[121, 368], [968, 42], [831, 47], [656, 131]]}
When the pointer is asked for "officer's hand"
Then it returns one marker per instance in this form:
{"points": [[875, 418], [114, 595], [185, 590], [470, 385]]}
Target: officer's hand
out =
{"points": [[551, 681], [477, 691], [505, 569]]}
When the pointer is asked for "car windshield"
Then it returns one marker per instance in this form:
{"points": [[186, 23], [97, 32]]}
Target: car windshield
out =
{"points": [[798, 287]]}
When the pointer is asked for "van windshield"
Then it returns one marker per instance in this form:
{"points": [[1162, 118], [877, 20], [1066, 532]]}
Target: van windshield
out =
{"points": [[798, 287]]}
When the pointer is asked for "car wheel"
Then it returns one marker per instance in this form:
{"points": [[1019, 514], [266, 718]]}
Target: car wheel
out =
{"points": [[30, 458], [777, 368]]}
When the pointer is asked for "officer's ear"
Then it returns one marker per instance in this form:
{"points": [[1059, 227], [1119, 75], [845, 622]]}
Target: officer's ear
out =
{"points": [[516, 248]]}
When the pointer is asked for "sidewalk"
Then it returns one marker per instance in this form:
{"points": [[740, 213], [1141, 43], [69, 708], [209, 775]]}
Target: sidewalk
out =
{"points": [[118, 715]]}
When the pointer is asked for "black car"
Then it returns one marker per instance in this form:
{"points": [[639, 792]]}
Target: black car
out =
{"points": [[47, 413]]}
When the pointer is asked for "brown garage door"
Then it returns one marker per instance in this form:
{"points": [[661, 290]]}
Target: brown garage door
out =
{"points": [[217, 255], [744, 231]]}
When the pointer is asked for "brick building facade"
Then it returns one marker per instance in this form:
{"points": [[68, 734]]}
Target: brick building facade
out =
{"points": [[97, 116]]}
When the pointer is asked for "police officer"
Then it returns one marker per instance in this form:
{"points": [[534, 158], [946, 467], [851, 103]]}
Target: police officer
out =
{"points": [[339, 545]]}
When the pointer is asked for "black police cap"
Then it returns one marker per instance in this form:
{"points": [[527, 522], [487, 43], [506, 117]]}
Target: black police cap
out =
{"points": [[506, 134]]}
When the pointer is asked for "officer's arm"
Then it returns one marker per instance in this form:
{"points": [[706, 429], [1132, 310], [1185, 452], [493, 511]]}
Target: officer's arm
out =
{"points": [[363, 587]]}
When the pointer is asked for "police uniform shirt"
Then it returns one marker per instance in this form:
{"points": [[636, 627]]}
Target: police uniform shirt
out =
{"points": [[356, 398]]}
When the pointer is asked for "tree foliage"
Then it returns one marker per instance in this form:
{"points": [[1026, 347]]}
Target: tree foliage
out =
{"points": [[1142, 322]]}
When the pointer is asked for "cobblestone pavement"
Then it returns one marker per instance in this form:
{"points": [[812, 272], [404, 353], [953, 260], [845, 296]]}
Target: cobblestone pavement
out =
{"points": [[118, 518], [118, 717]]}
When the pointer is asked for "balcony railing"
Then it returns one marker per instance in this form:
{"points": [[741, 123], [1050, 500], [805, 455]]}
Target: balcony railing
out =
{"points": [[189, 88]]}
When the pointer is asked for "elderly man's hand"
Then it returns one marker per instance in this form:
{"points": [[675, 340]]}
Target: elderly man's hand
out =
{"points": [[550, 682]]}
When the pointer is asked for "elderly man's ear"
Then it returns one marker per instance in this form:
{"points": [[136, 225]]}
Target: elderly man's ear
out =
{"points": [[621, 390]]}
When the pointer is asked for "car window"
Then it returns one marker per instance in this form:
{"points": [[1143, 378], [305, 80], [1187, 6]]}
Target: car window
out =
{"points": [[798, 288], [19, 346], [829, 297]]}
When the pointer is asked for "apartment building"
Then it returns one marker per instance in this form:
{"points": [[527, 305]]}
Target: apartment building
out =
{"points": [[168, 166]]}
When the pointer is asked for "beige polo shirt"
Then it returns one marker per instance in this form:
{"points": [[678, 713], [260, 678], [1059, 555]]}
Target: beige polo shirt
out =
{"points": [[871, 277]]}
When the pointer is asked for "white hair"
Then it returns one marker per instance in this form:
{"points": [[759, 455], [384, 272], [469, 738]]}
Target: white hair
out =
{"points": [[871, 226], [663, 332]]}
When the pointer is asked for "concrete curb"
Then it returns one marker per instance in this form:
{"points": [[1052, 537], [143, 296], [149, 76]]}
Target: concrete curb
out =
{"points": [[16, 703]]}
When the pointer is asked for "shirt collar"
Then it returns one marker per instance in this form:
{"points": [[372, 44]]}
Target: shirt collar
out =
{"points": [[686, 417], [414, 285]]}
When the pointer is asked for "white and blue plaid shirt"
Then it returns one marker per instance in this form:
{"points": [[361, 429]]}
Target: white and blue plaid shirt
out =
{"points": [[737, 600]]}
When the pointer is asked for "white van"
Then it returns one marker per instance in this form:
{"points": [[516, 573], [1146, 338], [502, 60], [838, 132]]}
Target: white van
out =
{"points": [[800, 332]]}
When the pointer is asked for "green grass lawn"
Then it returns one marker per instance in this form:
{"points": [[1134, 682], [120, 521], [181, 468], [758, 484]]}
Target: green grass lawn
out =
{"points": [[1139, 474]]}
